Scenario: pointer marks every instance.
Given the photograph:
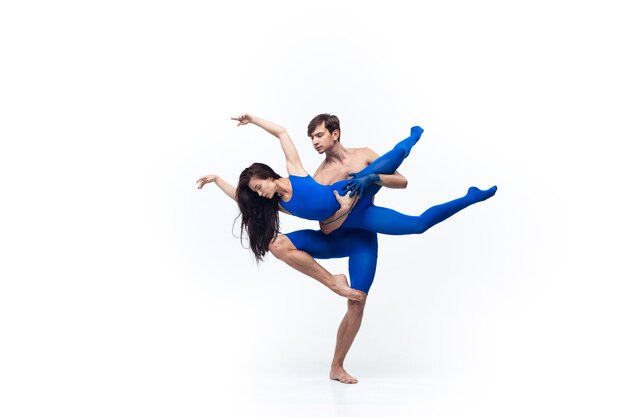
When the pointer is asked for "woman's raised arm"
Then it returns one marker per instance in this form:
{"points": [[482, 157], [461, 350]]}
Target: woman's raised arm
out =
{"points": [[294, 166]]}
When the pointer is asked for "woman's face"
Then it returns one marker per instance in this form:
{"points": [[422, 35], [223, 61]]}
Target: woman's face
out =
{"points": [[265, 188]]}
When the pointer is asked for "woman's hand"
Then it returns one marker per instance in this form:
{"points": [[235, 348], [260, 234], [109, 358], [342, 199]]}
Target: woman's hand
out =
{"points": [[244, 119], [207, 179]]}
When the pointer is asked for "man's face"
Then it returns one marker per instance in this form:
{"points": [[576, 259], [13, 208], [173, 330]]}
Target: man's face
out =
{"points": [[322, 139]]}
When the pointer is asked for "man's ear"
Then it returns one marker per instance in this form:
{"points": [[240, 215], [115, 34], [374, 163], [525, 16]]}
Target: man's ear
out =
{"points": [[335, 134]]}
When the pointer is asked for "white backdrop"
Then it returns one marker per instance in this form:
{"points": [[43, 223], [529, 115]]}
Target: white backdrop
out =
{"points": [[123, 290]]}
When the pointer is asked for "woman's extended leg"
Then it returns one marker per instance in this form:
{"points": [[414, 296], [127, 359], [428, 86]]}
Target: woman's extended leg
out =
{"points": [[384, 164], [390, 222], [389, 162]]}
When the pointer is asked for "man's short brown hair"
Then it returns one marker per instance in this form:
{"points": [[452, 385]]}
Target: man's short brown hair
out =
{"points": [[331, 122]]}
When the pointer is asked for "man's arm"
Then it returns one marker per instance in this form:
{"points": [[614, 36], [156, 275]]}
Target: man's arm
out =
{"points": [[335, 221], [294, 166], [395, 180], [361, 180]]}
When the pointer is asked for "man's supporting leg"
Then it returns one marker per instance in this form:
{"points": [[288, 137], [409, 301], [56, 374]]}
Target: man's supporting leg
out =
{"points": [[363, 260], [284, 249], [346, 333], [361, 247]]}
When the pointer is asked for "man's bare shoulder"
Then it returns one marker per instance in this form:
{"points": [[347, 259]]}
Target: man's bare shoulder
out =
{"points": [[365, 153], [320, 168]]}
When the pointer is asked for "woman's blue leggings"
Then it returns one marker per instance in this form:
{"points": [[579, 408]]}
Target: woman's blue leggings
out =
{"points": [[365, 215], [384, 164], [357, 239]]}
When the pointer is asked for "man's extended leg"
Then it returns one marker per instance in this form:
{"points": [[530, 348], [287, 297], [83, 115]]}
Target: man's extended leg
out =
{"points": [[284, 249]]}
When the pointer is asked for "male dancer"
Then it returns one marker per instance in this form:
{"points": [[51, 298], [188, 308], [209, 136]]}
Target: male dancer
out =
{"points": [[360, 246]]}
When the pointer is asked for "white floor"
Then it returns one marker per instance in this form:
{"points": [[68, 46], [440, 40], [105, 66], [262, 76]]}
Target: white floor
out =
{"points": [[373, 396], [378, 395]]}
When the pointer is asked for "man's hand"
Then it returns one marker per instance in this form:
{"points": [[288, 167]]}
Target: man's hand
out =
{"points": [[345, 201], [207, 179], [359, 183], [244, 119]]}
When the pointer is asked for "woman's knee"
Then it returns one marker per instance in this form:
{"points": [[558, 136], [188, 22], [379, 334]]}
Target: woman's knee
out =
{"points": [[280, 246]]}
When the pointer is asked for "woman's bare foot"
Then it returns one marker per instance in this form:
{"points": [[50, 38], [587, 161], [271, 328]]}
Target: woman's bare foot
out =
{"points": [[341, 287], [340, 374]]}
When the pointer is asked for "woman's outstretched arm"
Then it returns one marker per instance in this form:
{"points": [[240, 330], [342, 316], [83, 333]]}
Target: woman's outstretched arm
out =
{"points": [[294, 166], [228, 189]]}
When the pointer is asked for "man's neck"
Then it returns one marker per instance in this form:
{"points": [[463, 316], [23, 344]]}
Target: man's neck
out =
{"points": [[336, 154], [337, 164]]}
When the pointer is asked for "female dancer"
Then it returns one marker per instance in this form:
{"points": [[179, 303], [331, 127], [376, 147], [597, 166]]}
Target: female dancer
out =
{"points": [[261, 193]]}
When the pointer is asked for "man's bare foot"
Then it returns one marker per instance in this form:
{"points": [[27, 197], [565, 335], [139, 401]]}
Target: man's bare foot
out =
{"points": [[340, 374], [341, 287]]}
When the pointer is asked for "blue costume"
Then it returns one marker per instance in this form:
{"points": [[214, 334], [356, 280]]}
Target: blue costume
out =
{"points": [[360, 246], [314, 201]]}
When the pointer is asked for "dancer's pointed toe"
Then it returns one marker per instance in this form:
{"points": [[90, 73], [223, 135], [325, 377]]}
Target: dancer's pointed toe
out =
{"points": [[416, 131], [481, 195]]}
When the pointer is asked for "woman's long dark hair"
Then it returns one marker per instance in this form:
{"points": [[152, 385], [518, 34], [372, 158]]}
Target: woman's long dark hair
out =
{"points": [[259, 216]]}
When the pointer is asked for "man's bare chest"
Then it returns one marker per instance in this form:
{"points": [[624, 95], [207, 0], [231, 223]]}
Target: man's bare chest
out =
{"points": [[332, 174]]}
